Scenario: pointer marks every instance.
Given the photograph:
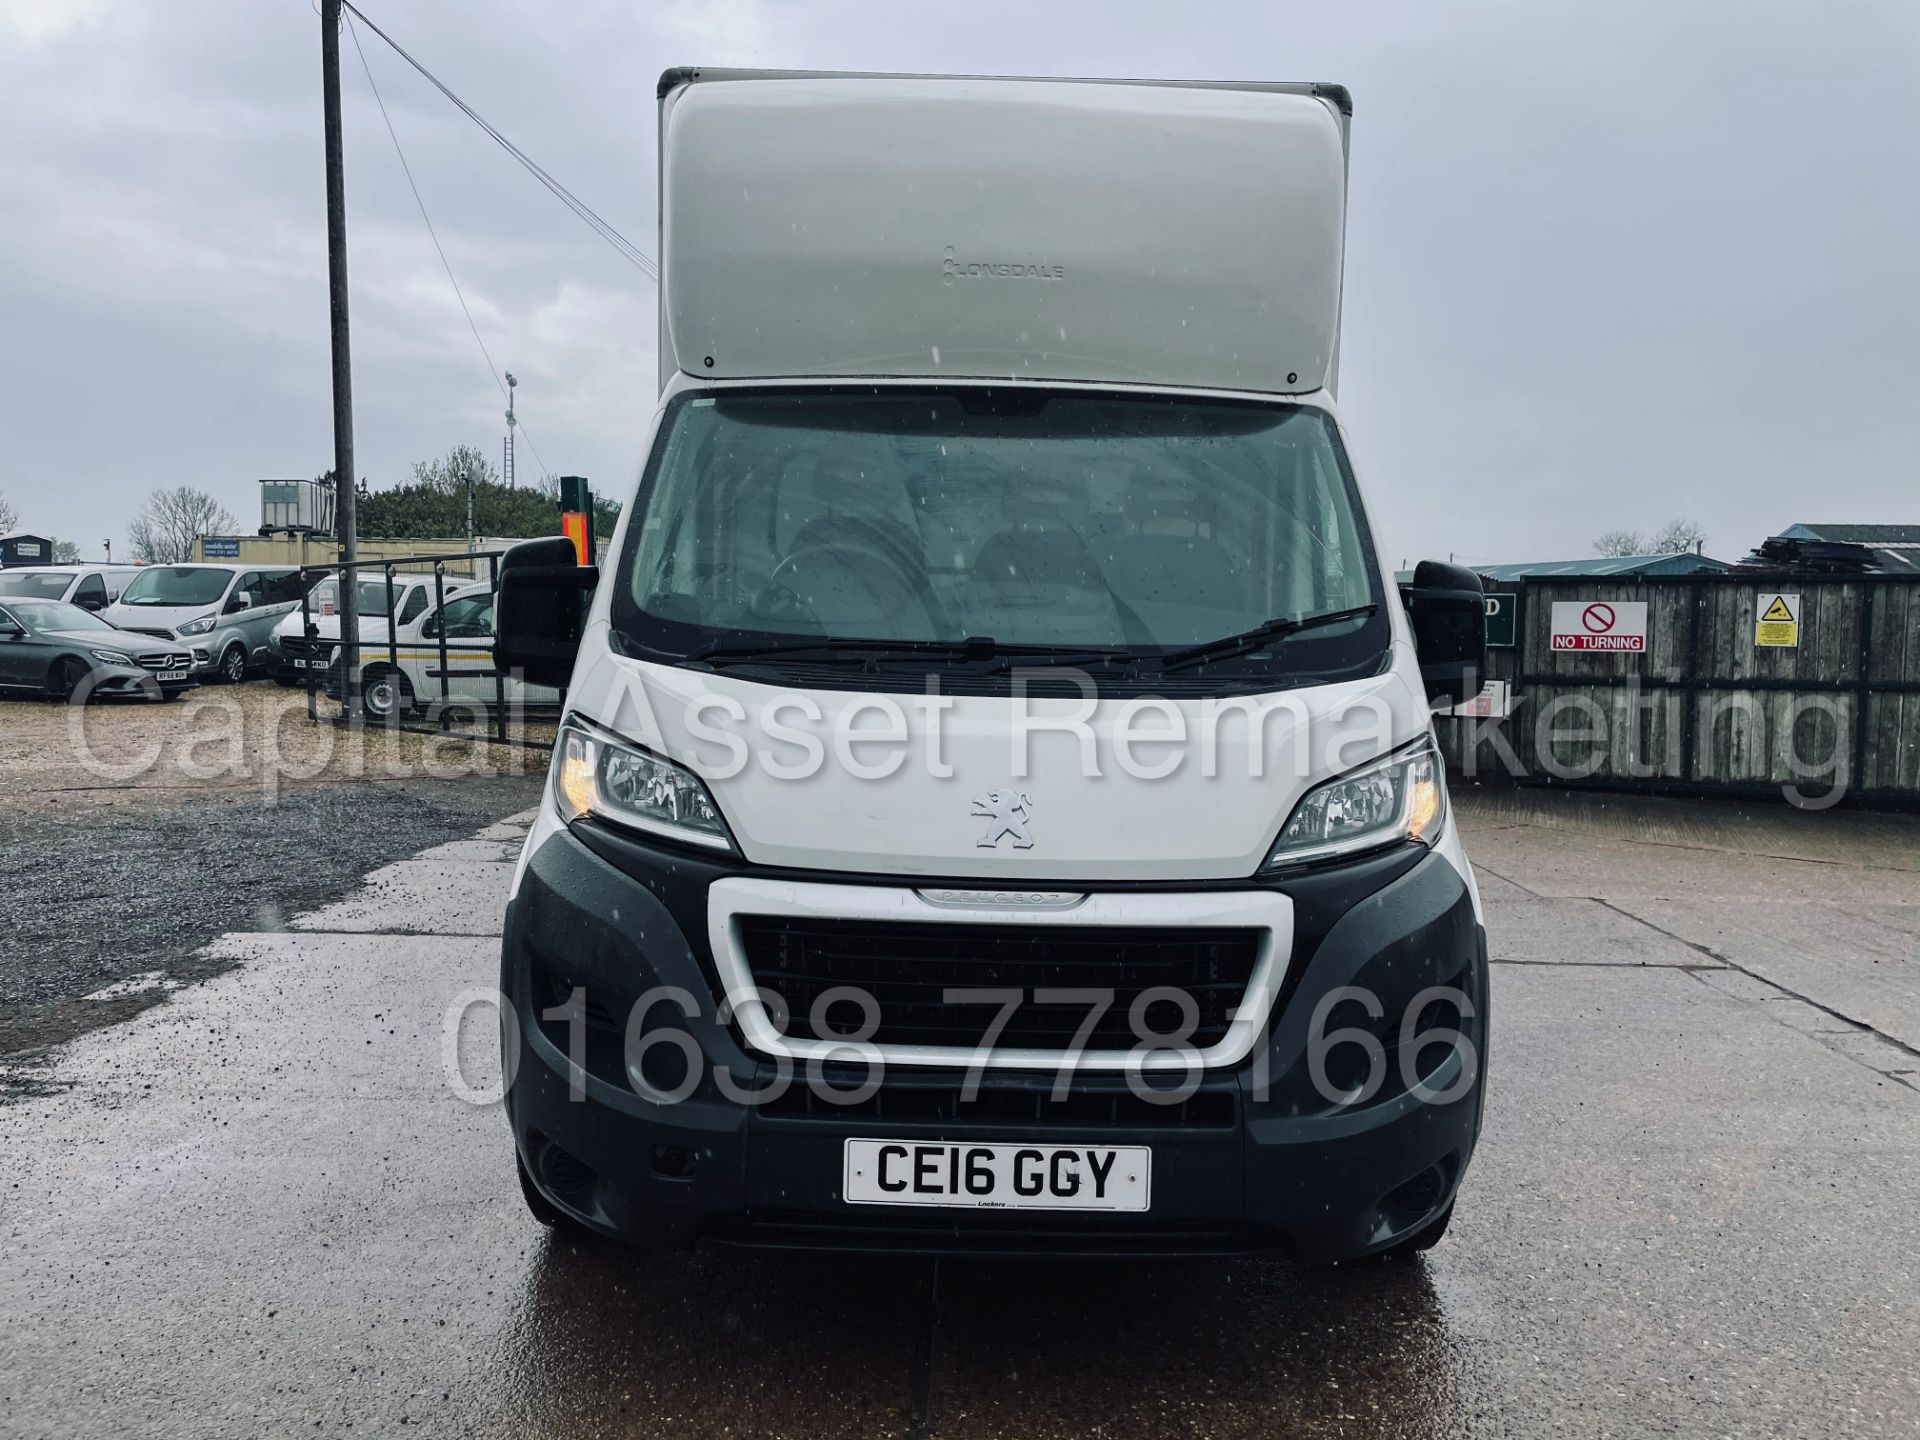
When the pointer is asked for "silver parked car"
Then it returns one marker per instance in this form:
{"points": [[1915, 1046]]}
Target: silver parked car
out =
{"points": [[229, 611]]}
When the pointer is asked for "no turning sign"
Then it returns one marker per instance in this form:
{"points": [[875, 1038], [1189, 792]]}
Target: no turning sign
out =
{"points": [[1616, 625]]}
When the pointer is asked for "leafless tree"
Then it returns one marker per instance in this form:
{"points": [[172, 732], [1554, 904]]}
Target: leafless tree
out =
{"points": [[1620, 542], [9, 517], [1678, 535], [167, 527]]}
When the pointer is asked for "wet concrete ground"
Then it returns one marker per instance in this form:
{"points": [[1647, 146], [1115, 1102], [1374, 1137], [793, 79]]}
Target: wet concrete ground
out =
{"points": [[133, 834], [261, 1209]]}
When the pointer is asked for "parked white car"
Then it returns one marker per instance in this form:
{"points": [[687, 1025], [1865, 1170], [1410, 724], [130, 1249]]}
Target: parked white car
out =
{"points": [[403, 673], [91, 587]]}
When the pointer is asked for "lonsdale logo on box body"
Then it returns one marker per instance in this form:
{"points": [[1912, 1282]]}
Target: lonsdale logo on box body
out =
{"points": [[952, 268]]}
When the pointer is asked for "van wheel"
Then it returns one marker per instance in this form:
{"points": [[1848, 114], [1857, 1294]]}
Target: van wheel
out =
{"points": [[66, 681], [384, 693], [233, 664]]}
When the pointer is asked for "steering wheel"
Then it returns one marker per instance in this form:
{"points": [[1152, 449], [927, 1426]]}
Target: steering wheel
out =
{"points": [[858, 572], [725, 592], [781, 603]]}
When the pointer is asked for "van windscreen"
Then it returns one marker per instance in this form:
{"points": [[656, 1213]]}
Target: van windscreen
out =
{"points": [[371, 596], [177, 585], [1121, 524], [43, 584]]}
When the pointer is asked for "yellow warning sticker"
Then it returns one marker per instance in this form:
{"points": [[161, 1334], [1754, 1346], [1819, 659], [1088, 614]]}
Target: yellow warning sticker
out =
{"points": [[1777, 621]]}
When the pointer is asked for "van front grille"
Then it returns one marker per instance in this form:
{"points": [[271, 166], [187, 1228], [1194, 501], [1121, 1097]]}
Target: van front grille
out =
{"points": [[295, 647], [910, 968], [996, 1102]]}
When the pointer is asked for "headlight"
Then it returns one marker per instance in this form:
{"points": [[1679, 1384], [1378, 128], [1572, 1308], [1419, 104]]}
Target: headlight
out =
{"points": [[112, 657], [1401, 797], [593, 774], [197, 627]]}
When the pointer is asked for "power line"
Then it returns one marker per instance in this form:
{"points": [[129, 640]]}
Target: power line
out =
{"points": [[434, 234], [627, 249]]}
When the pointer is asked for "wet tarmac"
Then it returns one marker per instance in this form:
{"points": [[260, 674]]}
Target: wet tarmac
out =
{"points": [[261, 1207]]}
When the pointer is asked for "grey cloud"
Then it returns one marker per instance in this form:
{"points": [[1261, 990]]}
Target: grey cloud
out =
{"points": [[1608, 263]]}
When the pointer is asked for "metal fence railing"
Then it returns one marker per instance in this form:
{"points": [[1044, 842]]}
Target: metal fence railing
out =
{"points": [[325, 669]]}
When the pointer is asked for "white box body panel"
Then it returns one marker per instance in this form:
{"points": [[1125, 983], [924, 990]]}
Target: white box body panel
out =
{"points": [[1157, 234]]}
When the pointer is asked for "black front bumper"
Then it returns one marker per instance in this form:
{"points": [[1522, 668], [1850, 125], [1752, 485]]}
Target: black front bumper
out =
{"points": [[1256, 1159]]}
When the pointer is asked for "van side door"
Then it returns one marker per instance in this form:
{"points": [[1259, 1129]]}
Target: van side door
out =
{"points": [[468, 623], [270, 595], [21, 661]]}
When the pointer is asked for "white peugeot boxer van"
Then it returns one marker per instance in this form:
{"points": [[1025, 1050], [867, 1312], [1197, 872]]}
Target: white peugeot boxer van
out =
{"points": [[997, 809]]}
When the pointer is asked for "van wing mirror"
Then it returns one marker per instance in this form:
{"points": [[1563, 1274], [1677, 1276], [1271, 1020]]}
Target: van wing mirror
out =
{"points": [[540, 610], [242, 600], [1448, 611]]}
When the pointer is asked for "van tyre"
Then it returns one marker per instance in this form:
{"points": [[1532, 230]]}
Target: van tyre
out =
{"points": [[233, 664], [385, 692]]}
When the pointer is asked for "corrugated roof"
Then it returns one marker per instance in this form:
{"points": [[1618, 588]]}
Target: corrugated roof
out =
{"points": [[1896, 547], [1857, 534], [1594, 567]]}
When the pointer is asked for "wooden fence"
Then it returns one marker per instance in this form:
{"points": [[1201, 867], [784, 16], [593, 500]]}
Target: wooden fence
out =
{"points": [[1704, 707]]}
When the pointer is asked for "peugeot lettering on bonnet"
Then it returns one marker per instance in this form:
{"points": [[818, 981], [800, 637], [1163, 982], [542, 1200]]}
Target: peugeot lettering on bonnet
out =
{"points": [[997, 807]]}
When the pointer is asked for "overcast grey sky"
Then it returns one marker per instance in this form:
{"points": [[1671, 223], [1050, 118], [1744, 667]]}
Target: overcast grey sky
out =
{"points": [[1609, 263]]}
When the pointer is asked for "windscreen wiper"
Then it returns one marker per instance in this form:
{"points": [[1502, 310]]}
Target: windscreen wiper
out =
{"points": [[724, 652], [1249, 640]]}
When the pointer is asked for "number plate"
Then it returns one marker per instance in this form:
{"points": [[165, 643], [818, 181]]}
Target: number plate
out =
{"points": [[996, 1176], [170, 675]]}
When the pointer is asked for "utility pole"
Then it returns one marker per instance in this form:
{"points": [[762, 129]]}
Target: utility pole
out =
{"points": [[472, 469], [343, 470]]}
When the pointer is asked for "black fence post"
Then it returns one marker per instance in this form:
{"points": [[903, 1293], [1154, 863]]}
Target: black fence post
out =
{"points": [[499, 675], [440, 634], [308, 632], [393, 650], [1863, 688], [1690, 689]]}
